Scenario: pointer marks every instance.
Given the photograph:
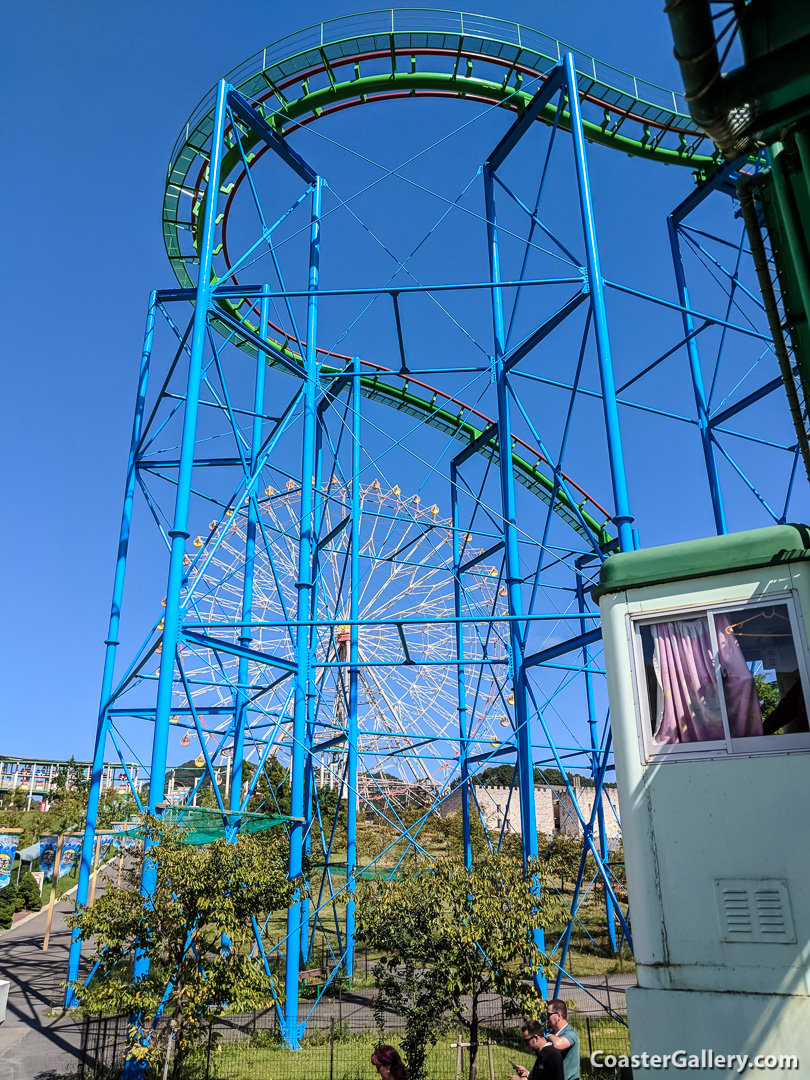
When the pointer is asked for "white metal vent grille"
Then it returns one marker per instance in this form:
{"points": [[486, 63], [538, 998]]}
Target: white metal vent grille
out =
{"points": [[754, 910]]}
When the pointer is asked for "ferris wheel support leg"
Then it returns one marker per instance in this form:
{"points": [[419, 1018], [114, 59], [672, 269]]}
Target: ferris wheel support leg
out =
{"points": [[461, 674], [240, 720], [354, 659], [514, 578], [622, 517], [696, 373], [291, 1028], [71, 998]]}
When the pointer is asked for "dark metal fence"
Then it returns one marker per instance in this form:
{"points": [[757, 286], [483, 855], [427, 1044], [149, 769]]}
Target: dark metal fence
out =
{"points": [[339, 1040], [104, 1046]]}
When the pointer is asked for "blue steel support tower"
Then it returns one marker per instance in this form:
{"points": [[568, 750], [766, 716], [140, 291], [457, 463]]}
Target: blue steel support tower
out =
{"points": [[489, 652]]}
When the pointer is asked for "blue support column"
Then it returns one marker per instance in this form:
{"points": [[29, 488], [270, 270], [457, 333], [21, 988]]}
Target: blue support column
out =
{"points": [[354, 671], [622, 516], [525, 760], [291, 1027], [309, 777], [704, 425], [308, 796], [111, 644], [179, 532], [595, 764], [242, 697], [463, 725]]}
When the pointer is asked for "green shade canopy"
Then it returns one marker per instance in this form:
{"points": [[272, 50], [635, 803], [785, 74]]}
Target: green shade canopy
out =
{"points": [[202, 825]]}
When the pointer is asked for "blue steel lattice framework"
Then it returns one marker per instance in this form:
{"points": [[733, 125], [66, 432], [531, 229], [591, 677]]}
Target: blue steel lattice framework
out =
{"points": [[492, 628]]}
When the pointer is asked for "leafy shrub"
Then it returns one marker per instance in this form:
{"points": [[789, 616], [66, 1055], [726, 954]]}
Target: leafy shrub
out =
{"points": [[28, 891], [11, 895], [265, 1039], [8, 905]]}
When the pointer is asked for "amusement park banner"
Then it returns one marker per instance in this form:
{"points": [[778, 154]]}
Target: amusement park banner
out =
{"points": [[71, 846], [8, 849], [125, 842], [105, 845], [47, 855]]}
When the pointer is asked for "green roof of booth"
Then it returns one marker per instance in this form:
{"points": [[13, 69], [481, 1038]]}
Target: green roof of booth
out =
{"points": [[748, 550]]}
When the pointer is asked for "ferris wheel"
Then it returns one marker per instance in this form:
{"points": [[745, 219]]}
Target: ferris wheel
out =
{"points": [[408, 686]]}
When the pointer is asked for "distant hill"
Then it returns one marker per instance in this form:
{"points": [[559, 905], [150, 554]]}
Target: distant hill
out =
{"points": [[501, 776], [187, 775]]}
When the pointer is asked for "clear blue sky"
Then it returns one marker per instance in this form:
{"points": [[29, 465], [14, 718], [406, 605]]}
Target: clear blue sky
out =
{"points": [[95, 95]]}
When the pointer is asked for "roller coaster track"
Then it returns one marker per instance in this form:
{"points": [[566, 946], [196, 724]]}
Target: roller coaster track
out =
{"points": [[336, 65]]}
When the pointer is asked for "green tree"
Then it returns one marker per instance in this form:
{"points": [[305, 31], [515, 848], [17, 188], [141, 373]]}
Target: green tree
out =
{"points": [[616, 864], [67, 802], [207, 798], [202, 896], [451, 934], [768, 694], [71, 778], [452, 828], [564, 855], [272, 792], [505, 776]]}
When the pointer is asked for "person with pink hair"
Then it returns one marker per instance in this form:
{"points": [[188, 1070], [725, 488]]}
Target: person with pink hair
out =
{"points": [[388, 1063]]}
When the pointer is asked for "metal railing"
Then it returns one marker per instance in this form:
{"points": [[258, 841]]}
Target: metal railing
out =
{"points": [[302, 50]]}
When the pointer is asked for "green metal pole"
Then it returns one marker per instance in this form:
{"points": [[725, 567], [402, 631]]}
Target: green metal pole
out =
{"points": [[792, 226]]}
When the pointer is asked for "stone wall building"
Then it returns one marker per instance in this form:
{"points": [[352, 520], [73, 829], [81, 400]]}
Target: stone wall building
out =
{"points": [[498, 803], [552, 807], [566, 820]]}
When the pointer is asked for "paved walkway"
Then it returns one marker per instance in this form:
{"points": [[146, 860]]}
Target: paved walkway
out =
{"points": [[594, 996], [34, 1045]]}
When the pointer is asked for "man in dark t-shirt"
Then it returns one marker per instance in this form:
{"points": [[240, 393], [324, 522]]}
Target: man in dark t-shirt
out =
{"points": [[549, 1063]]}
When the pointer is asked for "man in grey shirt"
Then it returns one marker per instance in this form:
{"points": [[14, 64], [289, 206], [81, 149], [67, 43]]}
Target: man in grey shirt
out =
{"points": [[563, 1038]]}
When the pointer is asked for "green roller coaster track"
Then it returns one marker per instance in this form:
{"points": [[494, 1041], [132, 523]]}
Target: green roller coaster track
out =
{"points": [[302, 78]]}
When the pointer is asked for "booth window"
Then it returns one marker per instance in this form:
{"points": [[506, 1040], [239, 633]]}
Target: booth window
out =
{"points": [[725, 679]]}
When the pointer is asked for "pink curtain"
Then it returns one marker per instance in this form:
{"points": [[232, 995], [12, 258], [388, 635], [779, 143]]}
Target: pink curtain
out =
{"points": [[742, 703], [688, 705]]}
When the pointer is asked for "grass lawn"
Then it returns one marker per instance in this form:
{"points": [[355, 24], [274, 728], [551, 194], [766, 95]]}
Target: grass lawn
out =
{"points": [[351, 1061], [580, 964], [63, 885]]}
